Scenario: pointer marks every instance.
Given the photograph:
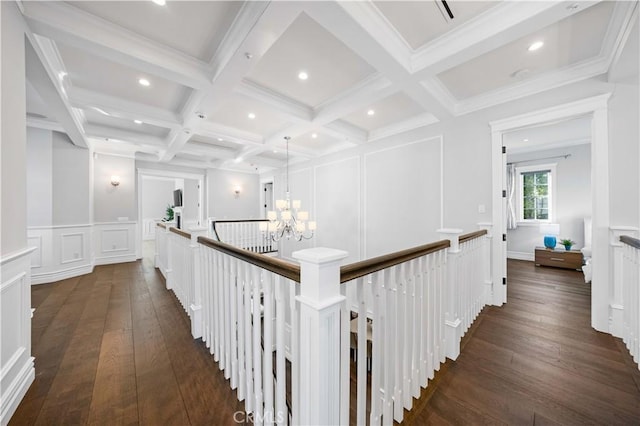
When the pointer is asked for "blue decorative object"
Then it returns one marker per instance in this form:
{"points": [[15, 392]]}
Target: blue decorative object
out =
{"points": [[550, 241]]}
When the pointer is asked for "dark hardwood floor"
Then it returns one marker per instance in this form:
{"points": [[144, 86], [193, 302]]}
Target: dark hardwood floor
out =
{"points": [[536, 360], [114, 347]]}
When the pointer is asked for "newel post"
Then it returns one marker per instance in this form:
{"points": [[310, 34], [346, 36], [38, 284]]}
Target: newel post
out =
{"points": [[195, 309], [453, 330], [319, 329]]}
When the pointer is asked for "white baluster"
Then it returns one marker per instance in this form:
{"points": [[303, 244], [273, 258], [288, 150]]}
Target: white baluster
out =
{"points": [[268, 347], [257, 348], [345, 359], [361, 390], [281, 380]]}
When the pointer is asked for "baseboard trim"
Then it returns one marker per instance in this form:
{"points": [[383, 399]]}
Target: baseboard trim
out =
{"points": [[519, 255], [63, 274], [121, 258], [13, 394]]}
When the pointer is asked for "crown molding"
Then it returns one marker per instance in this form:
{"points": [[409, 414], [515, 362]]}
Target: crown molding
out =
{"points": [[44, 124], [407, 125]]}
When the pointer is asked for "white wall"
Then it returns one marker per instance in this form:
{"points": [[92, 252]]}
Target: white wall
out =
{"points": [[70, 178], [156, 194], [39, 177], [222, 201], [370, 200], [114, 203], [624, 147], [17, 370], [572, 199], [190, 200]]}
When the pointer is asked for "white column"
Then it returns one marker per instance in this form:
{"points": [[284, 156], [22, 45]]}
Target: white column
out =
{"points": [[616, 304], [453, 331], [487, 260], [319, 361], [196, 306]]}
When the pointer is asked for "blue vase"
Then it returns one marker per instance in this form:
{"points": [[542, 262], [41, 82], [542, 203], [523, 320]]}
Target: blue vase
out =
{"points": [[550, 241]]}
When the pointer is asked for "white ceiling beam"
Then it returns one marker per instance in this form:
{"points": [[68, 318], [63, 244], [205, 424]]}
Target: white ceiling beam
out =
{"points": [[502, 24], [292, 108], [212, 130], [117, 107], [47, 84], [108, 132], [199, 148], [368, 91], [349, 21], [44, 123], [73, 26], [247, 43], [343, 130]]}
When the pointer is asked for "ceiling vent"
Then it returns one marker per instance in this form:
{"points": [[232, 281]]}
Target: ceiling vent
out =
{"points": [[445, 9]]}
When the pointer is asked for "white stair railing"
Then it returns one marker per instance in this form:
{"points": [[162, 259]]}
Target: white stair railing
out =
{"points": [[244, 234], [253, 314], [631, 295], [244, 310]]}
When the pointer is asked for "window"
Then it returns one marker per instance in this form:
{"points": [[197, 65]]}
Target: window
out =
{"points": [[535, 193]]}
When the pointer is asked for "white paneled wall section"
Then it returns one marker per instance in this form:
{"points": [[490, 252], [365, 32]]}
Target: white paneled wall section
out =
{"points": [[18, 370], [114, 242], [60, 252]]}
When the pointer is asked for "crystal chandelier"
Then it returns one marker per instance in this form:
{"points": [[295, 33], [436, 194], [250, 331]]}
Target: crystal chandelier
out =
{"points": [[288, 221]]}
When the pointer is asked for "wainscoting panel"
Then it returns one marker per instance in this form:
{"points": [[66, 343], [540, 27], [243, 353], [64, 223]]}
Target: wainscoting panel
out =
{"points": [[17, 370], [61, 252], [114, 242], [72, 247]]}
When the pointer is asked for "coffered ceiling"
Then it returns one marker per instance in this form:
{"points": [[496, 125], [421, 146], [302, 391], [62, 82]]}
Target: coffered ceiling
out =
{"points": [[228, 80]]}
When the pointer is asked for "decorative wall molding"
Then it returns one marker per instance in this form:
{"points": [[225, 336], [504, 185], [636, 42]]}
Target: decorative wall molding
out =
{"points": [[17, 370], [114, 242], [60, 252]]}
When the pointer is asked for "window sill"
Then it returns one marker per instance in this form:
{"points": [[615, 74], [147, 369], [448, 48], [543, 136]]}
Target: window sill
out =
{"points": [[537, 223]]}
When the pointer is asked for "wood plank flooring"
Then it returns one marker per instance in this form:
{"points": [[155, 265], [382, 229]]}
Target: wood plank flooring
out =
{"points": [[536, 360], [114, 347]]}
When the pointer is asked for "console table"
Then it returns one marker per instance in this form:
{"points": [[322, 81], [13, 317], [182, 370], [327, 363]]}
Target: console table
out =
{"points": [[569, 259]]}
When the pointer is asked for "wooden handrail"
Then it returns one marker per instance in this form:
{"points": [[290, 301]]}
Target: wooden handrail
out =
{"points": [[633, 242], [161, 225], [366, 267], [471, 235], [239, 220], [180, 232], [277, 266]]}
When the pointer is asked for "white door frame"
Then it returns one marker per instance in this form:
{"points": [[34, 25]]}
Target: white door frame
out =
{"points": [[171, 175], [596, 107], [263, 182]]}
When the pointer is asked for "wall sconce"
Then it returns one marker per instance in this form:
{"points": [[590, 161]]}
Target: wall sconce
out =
{"points": [[115, 180], [237, 190]]}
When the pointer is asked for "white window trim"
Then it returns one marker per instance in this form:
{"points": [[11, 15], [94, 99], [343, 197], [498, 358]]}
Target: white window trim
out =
{"points": [[552, 187]]}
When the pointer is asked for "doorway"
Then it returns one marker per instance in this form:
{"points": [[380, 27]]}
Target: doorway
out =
{"points": [[596, 108], [267, 198]]}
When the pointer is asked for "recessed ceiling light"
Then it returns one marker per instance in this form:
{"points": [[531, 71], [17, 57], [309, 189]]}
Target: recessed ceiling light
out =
{"points": [[137, 121], [303, 75], [525, 140], [314, 135], [536, 45], [219, 139], [371, 112], [144, 82], [237, 160], [275, 151], [159, 2], [251, 116]]}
